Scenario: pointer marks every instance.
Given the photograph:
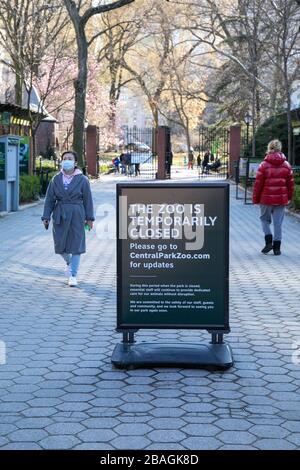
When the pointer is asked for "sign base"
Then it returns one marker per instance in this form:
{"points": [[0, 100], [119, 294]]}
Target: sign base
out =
{"points": [[127, 356]]}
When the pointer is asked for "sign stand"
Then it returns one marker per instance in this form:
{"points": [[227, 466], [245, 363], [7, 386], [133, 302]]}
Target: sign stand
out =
{"points": [[177, 282], [130, 355]]}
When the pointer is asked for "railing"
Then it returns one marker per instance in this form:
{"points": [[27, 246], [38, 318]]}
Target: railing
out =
{"points": [[245, 174], [216, 140], [140, 159], [214, 170], [43, 174], [142, 169], [296, 170]]}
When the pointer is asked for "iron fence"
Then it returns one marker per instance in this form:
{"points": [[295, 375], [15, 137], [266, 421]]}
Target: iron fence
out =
{"points": [[44, 176], [216, 141], [139, 157]]}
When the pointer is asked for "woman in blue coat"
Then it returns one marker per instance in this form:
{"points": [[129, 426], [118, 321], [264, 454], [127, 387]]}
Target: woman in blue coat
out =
{"points": [[69, 201]]}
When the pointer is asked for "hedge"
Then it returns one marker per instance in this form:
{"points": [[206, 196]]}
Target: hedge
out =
{"points": [[273, 128], [297, 197], [29, 188], [276, 128], [297, 179]]}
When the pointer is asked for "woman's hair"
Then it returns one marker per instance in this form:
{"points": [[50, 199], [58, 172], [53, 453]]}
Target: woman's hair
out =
{"points": [[72, 152], [274, 146]]}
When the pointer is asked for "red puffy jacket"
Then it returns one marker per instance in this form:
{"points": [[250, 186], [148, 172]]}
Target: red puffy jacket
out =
{"points": [[274, 183]]}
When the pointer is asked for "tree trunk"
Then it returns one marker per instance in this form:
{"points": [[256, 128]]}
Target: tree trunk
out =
{"points": [[289, 125], [112, 99], [33, 148], [80, 85], [273, 99], [18, 91], [277, 79], [254, 119], [188, 138], [154, 111], [112, 106], [19, 85], [258, 108], [112, 116], [288, 112]]}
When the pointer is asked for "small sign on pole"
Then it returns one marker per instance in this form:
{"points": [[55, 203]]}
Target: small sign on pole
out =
{"points": [[243, 166], [296, 130], [172, 271]]}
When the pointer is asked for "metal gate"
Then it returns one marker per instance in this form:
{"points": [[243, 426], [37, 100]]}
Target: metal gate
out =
{"points": [[139, 157], [213, 152]]}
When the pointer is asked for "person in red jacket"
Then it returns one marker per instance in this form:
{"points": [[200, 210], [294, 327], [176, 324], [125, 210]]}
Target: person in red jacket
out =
{"points": [[273, 190]]}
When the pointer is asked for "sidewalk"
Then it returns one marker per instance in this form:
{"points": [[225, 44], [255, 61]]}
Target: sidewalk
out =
{"points": [[58, 389]]}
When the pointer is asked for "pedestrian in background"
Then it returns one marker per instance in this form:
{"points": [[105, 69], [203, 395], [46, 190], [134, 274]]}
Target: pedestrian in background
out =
{"points": [[198, 160], [137, 169], [191, 159], [273, 190], [116, 162], [205, 161], [127, 163], [69, 201], [122, 162]]}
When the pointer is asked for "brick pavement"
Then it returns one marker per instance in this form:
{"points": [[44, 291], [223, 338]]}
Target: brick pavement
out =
{"points": [[58, 389]]}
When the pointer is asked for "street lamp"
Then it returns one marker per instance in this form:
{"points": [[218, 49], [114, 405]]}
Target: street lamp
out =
{"points": [[248, 120]]}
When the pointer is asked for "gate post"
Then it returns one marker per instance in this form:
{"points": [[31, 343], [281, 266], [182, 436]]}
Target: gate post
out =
{"points": [[92, 150], [162, 148], [234, 148]]}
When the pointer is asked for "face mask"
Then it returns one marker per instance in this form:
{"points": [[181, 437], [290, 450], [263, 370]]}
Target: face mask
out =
{"points": [[68, 165]]}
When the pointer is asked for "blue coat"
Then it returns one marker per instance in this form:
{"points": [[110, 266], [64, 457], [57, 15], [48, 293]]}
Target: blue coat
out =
{"points": [[69, 209]]}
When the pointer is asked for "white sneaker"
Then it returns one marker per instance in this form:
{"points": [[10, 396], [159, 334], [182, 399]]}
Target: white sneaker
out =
{"points": [[72, 281], [68, 271]]}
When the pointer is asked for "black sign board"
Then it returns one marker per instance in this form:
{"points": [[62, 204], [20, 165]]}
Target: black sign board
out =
{"points": [[172, 256]]}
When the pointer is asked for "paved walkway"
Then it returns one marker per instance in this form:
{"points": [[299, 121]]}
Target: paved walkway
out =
{"points": [[59, 390]]}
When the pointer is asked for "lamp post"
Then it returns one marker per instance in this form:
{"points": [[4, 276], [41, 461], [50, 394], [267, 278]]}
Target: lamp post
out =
{"points": [[248, 120]]}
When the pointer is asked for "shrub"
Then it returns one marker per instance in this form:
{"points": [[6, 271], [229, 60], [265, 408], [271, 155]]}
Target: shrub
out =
{"points": [[29, 188], [297, 197], [51, 174], [105, 169], [273, 128], [276, 128], [297, 179], [46, 164], [45, 178]]}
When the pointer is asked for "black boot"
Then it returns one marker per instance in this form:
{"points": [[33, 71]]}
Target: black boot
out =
{"points": [[276, 247], [269, 246]]}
